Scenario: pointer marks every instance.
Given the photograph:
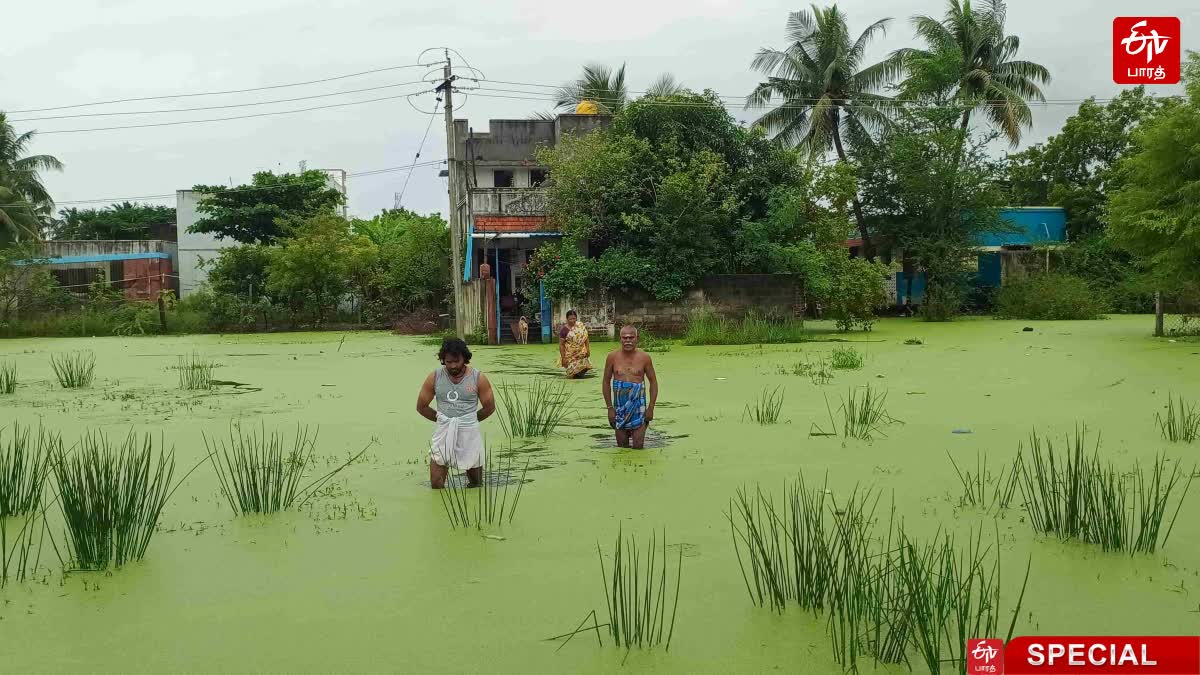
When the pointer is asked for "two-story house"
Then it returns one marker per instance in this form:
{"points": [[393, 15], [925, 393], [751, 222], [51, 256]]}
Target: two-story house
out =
{"points": [[503, 213]]}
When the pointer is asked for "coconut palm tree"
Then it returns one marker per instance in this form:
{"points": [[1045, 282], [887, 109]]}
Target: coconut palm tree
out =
{"points": [[607, 89], [24, 201], [969, 61], [823, 87]]}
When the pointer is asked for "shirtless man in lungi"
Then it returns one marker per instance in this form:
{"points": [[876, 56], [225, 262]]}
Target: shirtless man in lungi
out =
{"points": [[628, 412], [464, 399]]}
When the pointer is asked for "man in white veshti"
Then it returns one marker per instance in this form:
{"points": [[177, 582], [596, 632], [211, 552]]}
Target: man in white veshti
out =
{"points": [[464, 399]]}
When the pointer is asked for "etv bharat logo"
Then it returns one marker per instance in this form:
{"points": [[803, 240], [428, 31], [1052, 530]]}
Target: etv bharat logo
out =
{"points": [[985, 657], [1146, 50]]}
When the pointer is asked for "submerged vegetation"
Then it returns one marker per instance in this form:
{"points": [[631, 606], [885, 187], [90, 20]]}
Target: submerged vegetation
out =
{"points": [[75, 370], [24, 467], [261, 472], [492, 505], [195, 373], [766, 408], [1181, 424], [863, 415], [884, 596], [111, 495], [536, 410], [1074, 496]]}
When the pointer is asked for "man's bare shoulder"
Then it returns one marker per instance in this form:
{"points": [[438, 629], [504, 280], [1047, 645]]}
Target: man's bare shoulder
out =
{"points": [[643, 358]]}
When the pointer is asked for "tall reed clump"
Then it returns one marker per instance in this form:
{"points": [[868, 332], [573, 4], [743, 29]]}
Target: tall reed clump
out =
{"points": [[846, 358], [8, 377], [636, 591], [766, 408], [884, 596], [985, 490], [111, 496], [74, 370], [195, 373], [863, 415], [533, 411], [491, 505], [1181, 423], [1075, 496], [261, 472], [18, 557], [708, 328], [24, 467]]}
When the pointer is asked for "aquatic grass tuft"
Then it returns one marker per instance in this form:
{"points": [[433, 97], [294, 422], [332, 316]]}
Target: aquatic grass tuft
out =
{"points": [[493, 504], [111, 496], [8, 377], [982, 489], [18, 558], [1074, 496], [766, 408], [74, 370], [884, 596], [261, 472], [24, 467], [636, 591], [536, 410], [846, 358], [709, 328], [820, 371], [1182, 422], [195, 373], [864, 415]]}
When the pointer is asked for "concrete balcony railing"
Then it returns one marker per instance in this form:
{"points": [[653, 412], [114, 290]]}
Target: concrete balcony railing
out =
{"points": [[509, 201]]}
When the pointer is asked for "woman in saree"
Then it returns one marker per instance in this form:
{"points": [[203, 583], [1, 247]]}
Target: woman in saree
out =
{"points": [[574, 348]]}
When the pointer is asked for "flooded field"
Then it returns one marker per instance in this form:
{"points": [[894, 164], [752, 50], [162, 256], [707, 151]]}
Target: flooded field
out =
{"points": [[369, 575]]}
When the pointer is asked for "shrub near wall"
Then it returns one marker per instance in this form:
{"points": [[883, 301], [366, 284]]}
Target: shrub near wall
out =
{"points": [[1049, 296]]}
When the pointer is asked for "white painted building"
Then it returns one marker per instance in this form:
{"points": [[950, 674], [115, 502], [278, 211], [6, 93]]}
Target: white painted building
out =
{"points": [[194, 248]]}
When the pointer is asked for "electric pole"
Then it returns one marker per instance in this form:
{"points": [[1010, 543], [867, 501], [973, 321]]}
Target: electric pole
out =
{"points": [[456, 229]]}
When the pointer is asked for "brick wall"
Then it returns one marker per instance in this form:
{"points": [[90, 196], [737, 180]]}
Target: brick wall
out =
{"points": [[509, 223], [731, 295]]}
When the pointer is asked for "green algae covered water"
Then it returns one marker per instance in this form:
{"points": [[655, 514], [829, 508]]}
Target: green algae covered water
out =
{"points": [[369, 576]]}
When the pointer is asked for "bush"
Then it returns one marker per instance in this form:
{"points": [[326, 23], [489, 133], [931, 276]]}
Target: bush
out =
{"points": [[856, 291], [942, 301], [1051, 296]]}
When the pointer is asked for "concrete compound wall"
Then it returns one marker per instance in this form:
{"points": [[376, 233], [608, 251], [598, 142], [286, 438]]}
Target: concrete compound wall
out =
{"points": [[730, 295]]}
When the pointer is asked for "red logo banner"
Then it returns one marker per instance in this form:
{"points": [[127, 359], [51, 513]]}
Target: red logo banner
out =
{"points": [[1146, 50], [1159, 655]]}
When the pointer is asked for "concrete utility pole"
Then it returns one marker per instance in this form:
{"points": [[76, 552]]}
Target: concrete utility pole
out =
{"points": [[456, 229]]}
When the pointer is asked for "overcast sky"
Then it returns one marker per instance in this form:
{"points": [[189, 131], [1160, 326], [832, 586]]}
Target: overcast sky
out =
{"points": [[78, 51]]}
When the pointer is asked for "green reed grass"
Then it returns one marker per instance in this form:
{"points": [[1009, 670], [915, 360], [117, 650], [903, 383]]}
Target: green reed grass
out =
{"points": [[195, 373], [536, 410], [766, 408], [863, 415], [493, 504], [846, 358], [884, 596], [24, 467], [261, 472], [111, 495], [982, 488], [1076, 496], [819, 371], [18, 558], [707, 328], [8, 377], [1181, 423], [636, 591], [74, 370]]}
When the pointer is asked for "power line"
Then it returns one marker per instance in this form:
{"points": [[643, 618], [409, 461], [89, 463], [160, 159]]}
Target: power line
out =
{"points": [[358, 174], [227, 91], [226, 119], [214, 107], [420, 147]]}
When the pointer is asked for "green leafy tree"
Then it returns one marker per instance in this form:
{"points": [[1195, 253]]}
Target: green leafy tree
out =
{"points": [[969, 60], [25, 204], [391, 224], [117, 221], [412, 268], [311, 270], [930, 201], [258, 213], [607, 89], [1074, 168], [825, 89], [1155, 213]]}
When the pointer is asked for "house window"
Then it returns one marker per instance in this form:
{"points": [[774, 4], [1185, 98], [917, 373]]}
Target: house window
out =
{"points": [[502, 178], [537, 177]]}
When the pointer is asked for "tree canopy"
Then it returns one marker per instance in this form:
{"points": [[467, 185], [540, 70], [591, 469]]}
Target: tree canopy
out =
{"points": [[259, 212], [118, 221], [25, 204]]}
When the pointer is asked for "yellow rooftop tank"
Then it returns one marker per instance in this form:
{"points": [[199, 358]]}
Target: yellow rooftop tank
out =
{"points": [[587, 107]]}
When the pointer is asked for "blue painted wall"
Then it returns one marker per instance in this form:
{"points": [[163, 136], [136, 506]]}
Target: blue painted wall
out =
{"points": [[1032, 225]]}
